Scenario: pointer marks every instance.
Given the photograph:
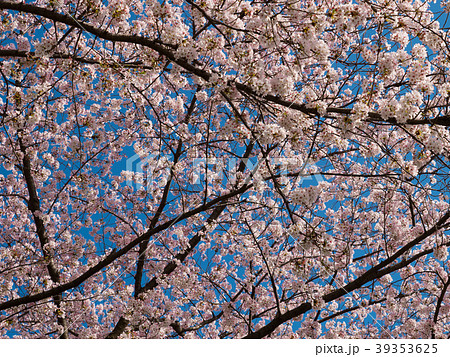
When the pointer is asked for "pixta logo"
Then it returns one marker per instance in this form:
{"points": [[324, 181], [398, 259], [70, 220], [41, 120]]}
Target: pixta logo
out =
{"points": [[147, 172], [152, 171]]}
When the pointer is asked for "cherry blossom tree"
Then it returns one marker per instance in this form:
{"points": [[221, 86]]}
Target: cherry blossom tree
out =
{"points": [[224, 169]]}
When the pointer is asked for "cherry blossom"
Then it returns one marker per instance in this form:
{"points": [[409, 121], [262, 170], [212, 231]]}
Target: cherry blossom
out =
{"points": [[232, 169]]}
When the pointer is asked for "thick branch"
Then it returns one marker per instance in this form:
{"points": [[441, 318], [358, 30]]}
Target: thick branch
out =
{"points": [[439, 304], [180, 257], [204, 74], [59, 55], [368, 276], [118, 253], [144, 244], [34, 207]]}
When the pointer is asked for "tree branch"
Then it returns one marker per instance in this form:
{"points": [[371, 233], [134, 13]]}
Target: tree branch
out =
{"points": [[368, 276]]}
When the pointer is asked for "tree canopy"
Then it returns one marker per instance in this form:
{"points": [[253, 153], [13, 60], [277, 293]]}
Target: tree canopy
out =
{"points": [[224, 169]]}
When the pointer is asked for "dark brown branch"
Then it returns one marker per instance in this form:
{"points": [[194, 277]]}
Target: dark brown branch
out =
{"points": [[169, 54], [119, 328], [144, 244], [373, 273], [58, 55], [438, 306], [180, 257], [35, 209], [103, 34], [118, 253]]}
